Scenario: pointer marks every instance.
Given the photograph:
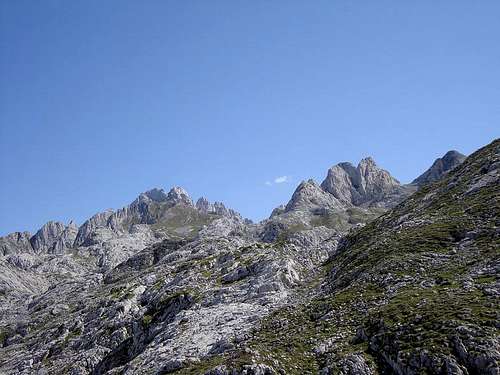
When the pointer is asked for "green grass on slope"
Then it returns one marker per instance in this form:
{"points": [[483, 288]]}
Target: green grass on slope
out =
{"points": [[401, 286]]}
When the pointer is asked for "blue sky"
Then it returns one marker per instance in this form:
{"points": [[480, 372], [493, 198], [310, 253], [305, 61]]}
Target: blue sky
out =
{"points": [[102, 100]]}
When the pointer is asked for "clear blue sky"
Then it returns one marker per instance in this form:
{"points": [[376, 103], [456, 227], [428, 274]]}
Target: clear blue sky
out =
{"points": [[100, 100]]}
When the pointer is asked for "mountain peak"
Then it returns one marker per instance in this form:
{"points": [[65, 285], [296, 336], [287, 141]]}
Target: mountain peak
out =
{"points": [[179, 195], [54, 237], [368, 161], [157, 195], [440, 167], [310, 195], [364, 184]]}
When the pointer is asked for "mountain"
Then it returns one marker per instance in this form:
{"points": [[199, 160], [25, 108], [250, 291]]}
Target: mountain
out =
{"points": [[347, 197], [357, 275], [440, 166], [414, 291], [365, 185]]}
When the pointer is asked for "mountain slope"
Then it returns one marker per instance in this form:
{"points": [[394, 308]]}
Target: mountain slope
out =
{"points": [[415, 291], [167, 286]]}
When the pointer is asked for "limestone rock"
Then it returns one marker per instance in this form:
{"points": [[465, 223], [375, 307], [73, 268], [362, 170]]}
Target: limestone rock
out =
{"points": [[98, 220], [178, 195], [14, 243], [166, 286], [216, 208], [365, 185], [54, 237], [310, 196]]}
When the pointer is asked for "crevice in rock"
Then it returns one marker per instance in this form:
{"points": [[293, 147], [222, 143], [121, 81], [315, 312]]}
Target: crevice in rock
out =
{"points": [[145, 330]]}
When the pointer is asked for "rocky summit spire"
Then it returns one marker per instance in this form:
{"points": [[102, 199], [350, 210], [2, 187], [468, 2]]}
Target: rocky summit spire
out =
{"points": [[54, 237], [440, 167]]}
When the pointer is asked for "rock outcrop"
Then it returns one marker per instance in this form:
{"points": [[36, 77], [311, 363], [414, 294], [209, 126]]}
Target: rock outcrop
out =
{"points": [[347, 197], [17, 242], [54, 237], [216, 208], [310, 196], [97, 221]]}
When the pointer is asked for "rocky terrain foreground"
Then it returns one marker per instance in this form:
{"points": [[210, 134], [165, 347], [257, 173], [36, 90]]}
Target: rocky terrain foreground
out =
{"points": [[357, 275]]}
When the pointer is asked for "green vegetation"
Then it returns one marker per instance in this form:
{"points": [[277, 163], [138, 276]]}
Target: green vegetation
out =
{"points": [[181, 221], [146, 319], [398, 283]]}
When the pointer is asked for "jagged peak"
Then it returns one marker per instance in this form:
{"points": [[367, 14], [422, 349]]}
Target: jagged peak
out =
{"points": [[205, 206], [17, 235], [304, 184], [51, 225], [453, 154], [72, 224], [156, 194], [367, 161], [365, 184], [202, 202], [179, 195]]}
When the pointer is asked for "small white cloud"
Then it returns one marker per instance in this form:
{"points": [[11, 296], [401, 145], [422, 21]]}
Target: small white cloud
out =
{"points": [[281, 179], [268, 183]]}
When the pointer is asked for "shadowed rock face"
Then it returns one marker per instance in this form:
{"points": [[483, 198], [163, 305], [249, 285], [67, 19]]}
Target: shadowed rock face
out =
{"points": [[440, 166]]}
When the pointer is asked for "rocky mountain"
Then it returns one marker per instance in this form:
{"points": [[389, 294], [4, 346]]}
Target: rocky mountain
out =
{"points": [[357, 275], [365, 185], [440, 166], [347, 197]]}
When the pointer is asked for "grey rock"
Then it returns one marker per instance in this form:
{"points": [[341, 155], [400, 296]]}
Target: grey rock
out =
{"points": [[178, 195], [365, 185], [309, 195], [164, 284], [14, 243], [46, 237], [354, 364], [98, 220], [440, 167]]}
